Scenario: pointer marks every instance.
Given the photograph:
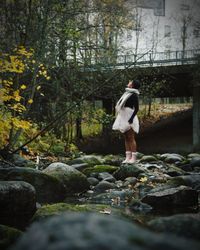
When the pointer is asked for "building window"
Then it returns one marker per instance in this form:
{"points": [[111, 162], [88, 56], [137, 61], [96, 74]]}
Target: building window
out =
{"points": [[185, 7], [167, 30], [196, 33]]}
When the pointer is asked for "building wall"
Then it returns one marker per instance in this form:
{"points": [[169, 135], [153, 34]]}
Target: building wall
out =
{"points": [[160, 30]]}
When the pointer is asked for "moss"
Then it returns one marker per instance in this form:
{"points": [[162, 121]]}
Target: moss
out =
{"points": [[100, 169], [55, 209], [8, 236]]}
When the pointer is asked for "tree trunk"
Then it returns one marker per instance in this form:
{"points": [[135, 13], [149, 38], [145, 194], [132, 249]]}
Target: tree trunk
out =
{"points": [[196, 116]]}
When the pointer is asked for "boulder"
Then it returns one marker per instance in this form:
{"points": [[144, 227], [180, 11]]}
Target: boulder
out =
{"points": [[128, 171], [8, 236], [93, 181], [47, 211], [95, 231], [103, 186], [172, 158], [106, 177], [73, 180], [173, 197], [48, 188], [192, 181], [22, 162], [178, 224], [17, 199], [148, 158]]}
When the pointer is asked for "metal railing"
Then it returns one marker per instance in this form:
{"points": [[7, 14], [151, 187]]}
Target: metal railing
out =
{"points": [[147, 59]]}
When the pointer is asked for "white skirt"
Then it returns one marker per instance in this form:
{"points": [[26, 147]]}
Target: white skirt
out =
{"points": [[121, 122]]}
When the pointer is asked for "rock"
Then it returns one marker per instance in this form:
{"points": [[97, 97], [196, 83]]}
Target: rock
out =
{"points": [[48, 188], [192, 181], [99, 169], [94, 231], [115, 197], [103, 186], [185, 225], [190, 166], [47, 211], [193, 155], [106, 177], [73, 180], [128, 171], [17, 198], [172, 158], [92, 160], [22, 162], [93, 181], [80, 166], [137, 205], [113, 160], [173, 197], [148, 158], [130, 181], [8, 236]]}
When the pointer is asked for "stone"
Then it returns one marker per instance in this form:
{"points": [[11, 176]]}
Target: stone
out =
{"points": [[93, 181], [113, 160], [137, 205], [103, 186], [115, 197], [99, 169], [80, 166], [130, 181], [47, 211], [148, 158], [172, 158], [17, 199], [128, 171], [192, 181], [22, 162], [178, 224], [48, 188], [96, 231], [73, 180], [181, 196], [8, 236], [106, 177], [92, 160]]}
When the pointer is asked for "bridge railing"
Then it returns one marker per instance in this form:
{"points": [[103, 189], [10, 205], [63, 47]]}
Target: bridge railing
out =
{"points": [[160, 58], [149, 59]]}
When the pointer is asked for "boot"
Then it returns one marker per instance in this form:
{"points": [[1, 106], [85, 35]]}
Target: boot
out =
{"points": [[128, 157], [133, 158]]}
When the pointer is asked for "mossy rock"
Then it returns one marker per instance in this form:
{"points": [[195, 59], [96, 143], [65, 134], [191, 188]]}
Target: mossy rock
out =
{"points": [[125, 171], [48, 188], [148, 158], [115, 160], [73, 180], [100, 169], [92, 160], [58, 208], [8, 236]]}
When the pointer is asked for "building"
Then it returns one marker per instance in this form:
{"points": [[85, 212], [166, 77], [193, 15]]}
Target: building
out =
{"points": [[162, 26]]}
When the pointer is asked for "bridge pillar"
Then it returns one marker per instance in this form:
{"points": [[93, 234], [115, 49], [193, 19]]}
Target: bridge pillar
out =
{"points": [[196, 116]]}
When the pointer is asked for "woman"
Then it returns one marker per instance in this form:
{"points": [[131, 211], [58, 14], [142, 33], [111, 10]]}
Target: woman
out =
{"points": [[127, 121]]}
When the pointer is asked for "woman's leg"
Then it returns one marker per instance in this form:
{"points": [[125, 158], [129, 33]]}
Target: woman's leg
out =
{"points": [[130, 145], [130, 142]]}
